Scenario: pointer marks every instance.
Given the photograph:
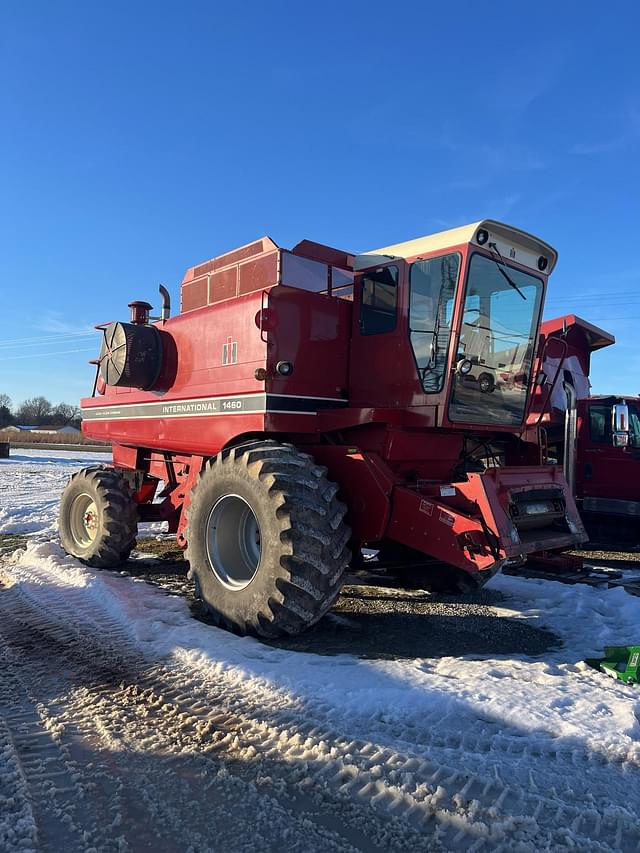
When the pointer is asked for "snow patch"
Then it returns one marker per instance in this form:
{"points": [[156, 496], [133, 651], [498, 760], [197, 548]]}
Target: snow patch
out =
{"points": [[542, 699]]}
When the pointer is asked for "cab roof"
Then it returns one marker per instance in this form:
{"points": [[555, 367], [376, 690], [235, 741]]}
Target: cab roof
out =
{"points": [[512, 243]]}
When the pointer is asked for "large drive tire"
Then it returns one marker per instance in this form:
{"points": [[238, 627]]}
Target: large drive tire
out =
{"points": [[266, 539], [98, 519]]}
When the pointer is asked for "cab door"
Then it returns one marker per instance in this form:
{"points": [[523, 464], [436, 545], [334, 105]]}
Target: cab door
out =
{"points": [[382, 371], [605, 471]]}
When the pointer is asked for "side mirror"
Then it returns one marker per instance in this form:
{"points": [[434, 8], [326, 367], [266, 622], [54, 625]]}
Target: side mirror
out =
{"points": [[620, 424], [541, 379]]}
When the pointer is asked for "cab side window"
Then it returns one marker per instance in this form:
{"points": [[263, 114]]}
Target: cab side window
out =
{"points": [[379, 301], [303, 273], [433, 285], [600, 423], [342, 284]]}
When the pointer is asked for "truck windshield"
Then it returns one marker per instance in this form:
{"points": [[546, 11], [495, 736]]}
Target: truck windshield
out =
{"points": [[496, 345]]}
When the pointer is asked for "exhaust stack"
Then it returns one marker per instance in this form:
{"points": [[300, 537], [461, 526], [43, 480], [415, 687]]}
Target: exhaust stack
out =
{"points": [[165, 311], [570, 433]]}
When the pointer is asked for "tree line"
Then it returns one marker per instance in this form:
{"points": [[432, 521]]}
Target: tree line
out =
{"points": [[37, 411]]}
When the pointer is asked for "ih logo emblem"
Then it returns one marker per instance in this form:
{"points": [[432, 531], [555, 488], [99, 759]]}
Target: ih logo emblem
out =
{"points": [[230, 351]]}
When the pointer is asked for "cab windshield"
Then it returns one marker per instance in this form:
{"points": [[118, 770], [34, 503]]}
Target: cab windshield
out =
{"points": [[496, 344]]}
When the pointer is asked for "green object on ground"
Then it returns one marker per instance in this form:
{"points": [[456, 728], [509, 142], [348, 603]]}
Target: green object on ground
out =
{"points": [[621, 662]]}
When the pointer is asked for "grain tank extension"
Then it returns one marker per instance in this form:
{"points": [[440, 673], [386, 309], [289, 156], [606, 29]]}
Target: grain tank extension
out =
{"points": [[306, 403]]}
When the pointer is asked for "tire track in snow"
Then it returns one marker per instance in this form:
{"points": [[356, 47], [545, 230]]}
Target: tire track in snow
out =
{"points": [[63, 817], [81, 685], [411, 777], [17, 822]]}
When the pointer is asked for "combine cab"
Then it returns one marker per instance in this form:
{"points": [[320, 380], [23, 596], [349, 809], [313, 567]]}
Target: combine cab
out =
{"points": [[307, 403]]}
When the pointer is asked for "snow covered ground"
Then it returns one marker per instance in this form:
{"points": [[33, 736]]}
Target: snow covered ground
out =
{"points": [[307, 752], [30, 486]]}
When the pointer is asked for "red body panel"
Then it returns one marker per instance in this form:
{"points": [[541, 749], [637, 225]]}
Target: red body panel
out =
{"points": [[312, 331], [366, 485]]}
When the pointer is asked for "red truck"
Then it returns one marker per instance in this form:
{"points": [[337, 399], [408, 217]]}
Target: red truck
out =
{"points": [[596, 438], [308, 402]]}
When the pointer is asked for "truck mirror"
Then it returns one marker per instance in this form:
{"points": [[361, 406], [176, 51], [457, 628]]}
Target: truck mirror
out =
{"points": [[620, 418]]}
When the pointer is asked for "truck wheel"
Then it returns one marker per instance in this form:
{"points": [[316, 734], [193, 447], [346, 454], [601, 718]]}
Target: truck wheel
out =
{"points": [[266, 539], [486, 383], [98, 519]]}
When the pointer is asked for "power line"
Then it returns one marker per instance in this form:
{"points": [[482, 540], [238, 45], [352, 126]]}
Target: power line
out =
{"points": [[64, 333], [604, 319], [51, 338], [621, 290], [44, 342], [590, 296], [43, 354], [576, 297], [577, 304]]}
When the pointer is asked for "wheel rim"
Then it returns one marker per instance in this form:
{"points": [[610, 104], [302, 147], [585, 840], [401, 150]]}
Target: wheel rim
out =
{"points": [[233, 542], [83, 520], [485, 385]]}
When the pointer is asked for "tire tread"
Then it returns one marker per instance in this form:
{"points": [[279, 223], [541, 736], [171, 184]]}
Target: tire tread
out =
{"points": [[312, 551], [119, 520]]}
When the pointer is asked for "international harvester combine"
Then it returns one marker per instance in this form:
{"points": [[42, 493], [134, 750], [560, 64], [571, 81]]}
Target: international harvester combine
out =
{"points": [[307, 403]]}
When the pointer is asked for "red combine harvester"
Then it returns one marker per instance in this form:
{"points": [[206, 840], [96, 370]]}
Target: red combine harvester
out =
{"points": [[595, 438], [306, 403]]}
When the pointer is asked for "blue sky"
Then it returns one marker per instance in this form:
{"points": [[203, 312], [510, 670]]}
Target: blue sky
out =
{"points": [[139, 138]]}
